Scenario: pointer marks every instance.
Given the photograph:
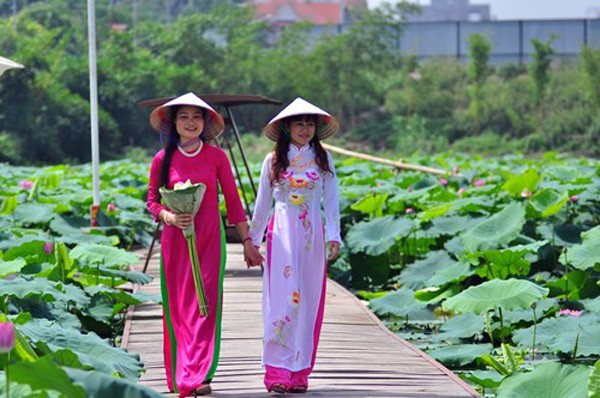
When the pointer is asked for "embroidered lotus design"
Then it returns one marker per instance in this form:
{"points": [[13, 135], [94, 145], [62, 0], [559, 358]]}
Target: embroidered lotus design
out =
{"points": [[296, 198]]}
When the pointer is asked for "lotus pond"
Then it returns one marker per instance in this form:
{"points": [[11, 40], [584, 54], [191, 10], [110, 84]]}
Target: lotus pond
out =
{"points": [[492, 270]]}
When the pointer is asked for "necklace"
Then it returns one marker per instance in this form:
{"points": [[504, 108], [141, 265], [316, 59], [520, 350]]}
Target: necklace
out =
{"points": [[190, 154]]}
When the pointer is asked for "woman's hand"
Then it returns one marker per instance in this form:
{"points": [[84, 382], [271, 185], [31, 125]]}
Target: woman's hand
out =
{"points": [[252, 256], [334, 249], [178, 220]]}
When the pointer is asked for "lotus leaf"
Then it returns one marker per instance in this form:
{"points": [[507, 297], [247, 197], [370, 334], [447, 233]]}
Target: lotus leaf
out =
{"points": [[483, 378], [517, 183], [399, 303], [93, 254], [548, 380], [508, 294], [187, 200], [461, 326], [375, 237], [561, 333], [547, 202], [44, 374], [100, 385], [38, 288], [11, 267], [371, 204], [31, 214], [90, 349], [418, 274], [460, 354], [587, 254], [497, 230], [594, 381]]}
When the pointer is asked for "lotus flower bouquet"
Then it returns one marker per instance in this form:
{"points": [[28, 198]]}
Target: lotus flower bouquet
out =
{"points": [[186, 198]]}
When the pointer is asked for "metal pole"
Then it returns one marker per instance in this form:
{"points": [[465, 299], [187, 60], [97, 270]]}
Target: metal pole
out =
{"points": [[94, 110], [237, 173], [239, 142]]}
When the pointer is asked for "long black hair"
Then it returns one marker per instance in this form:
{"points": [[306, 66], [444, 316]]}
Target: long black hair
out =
{"points": [[281, 162], [171, 143]]}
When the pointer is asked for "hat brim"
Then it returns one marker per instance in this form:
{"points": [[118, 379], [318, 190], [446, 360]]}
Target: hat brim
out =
{"points": [[326, 127], [161, 119]]}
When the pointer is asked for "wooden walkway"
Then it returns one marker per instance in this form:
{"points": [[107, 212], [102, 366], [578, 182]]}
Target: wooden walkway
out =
{"points": [[357, 356]]}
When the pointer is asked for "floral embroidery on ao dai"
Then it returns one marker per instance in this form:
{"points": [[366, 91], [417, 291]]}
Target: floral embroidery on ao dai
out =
{"points": [[295, 276]]}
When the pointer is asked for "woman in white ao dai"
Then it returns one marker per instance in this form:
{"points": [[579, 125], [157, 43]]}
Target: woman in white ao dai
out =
{"points": [[295, 276]]}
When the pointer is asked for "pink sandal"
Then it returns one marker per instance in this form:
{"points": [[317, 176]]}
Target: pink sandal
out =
{"points": [[298, 389], [277, 387]]}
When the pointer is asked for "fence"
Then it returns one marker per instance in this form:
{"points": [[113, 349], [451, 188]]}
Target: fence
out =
{"points": [[511, 40]]}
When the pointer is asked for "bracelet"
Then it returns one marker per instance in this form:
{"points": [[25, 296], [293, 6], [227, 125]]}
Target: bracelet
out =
{"points": [[246, 239]]}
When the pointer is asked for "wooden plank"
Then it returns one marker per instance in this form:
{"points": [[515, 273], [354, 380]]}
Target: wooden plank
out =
{"points": [[357, 357]]}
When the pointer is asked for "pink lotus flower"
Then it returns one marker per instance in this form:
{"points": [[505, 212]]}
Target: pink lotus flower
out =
{"points": [[455, 170], [26, 184], [443, 181], [461, 191], [48, 248], [410, 210], [7, 337], [479, 183], [574, 199], [526, 193], [111, 207], [575, 313]]}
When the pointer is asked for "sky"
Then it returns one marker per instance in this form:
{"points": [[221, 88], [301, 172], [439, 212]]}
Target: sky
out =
{"points": [[530, 9]]}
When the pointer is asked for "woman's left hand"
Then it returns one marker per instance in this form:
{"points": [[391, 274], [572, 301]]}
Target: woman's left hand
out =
{"points": [[334, 249]]}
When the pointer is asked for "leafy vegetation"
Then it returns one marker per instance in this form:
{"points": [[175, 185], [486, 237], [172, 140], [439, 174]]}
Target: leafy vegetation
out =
{"points": [[65, 287], [493, 269]]}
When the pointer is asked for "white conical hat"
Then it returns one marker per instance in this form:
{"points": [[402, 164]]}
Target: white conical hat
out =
{"points": [[161, 117], [326, 126]]}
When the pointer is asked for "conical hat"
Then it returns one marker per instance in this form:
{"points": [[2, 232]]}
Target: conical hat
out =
{"points": [[161, 117], [326, 126]]}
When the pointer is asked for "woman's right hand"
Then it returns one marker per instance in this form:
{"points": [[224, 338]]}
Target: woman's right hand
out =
{"points": [[178, 220]]}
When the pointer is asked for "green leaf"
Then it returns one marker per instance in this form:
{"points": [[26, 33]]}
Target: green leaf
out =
{"points": [[548, 380], [561, 333], [594, 381], [371, 204], [508, 294], [92, 254], [11, 267], [417, 275], [29, 213], [460, 354], [548, 202], [461, 327], [587, 254], [375, 237], [90, 349], [101, 385], [497, 230], [483, 378], [45, 375], [399, 303], [37, 288], [527, 180]]}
